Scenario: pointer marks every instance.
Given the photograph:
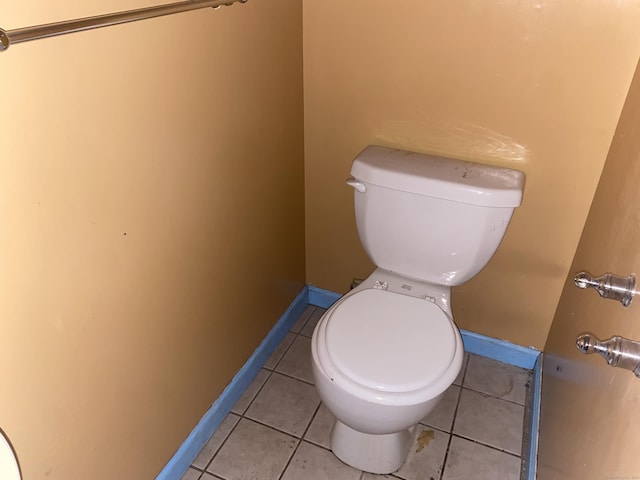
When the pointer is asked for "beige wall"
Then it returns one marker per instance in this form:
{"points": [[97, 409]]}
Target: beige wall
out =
{"points": [[536, 86], [151, 197]]}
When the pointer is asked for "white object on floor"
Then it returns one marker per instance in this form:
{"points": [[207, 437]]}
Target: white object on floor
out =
{"points": [[8, 462]]}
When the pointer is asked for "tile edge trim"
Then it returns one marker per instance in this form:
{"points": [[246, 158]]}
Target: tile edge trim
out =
{"points": [[530, 458], [208, 424]]}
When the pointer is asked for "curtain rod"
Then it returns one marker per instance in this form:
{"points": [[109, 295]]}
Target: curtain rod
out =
{"points": [[19, 35]]}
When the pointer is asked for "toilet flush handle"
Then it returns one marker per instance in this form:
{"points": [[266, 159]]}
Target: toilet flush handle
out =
{"points": [[359, 186]]}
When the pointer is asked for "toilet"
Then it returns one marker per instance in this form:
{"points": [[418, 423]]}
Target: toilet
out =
{"points": [[384, 354]]}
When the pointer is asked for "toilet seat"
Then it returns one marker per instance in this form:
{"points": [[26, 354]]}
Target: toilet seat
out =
{"points": [[386, 342]]}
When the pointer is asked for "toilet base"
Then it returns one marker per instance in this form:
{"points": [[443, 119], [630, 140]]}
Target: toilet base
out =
{"points": [[371, 453]]}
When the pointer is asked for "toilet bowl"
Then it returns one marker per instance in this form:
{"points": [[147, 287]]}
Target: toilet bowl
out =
{"points": [[384, 354], [369, 355]]}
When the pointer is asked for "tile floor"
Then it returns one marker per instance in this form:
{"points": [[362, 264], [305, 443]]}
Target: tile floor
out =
{"points": [[279, 430]]}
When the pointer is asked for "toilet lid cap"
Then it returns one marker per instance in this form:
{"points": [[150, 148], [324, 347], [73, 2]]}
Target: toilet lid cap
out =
{"points": [[390, 342]]}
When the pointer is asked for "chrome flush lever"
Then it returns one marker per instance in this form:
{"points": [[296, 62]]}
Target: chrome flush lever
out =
{"points": [[609, 285], [617, 351]]}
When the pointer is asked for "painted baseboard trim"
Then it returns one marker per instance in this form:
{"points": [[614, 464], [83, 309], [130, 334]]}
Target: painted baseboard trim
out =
{"points": [[530, 457], [322, 298], [206, 427], [501, 350]]}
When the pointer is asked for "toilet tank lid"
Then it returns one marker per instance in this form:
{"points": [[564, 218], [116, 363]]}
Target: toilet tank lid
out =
{"points": [[440, 177]]}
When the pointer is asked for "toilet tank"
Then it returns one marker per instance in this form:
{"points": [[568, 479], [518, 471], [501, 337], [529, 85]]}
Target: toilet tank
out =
{"points": [[431, 218]]}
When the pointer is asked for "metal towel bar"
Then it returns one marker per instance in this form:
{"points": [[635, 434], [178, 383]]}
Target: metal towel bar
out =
{"points": [[19, 35]]}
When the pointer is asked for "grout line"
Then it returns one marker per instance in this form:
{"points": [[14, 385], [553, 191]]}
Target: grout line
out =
{"points": [[306, 321], [288, 375], [214, 476], [215, 454], [313, 417], [255, 396], [271, 427], [317, 445], [191, 467], [285, 352], [426, 425], [315, 413], [485, 445], [310, 309], [286, 466], [321, 311], [300, 441], [488, 395], [249, 419], [453, 422]]}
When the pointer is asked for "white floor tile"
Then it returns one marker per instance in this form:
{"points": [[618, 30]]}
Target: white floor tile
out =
{"points": [[302, 319], [253, 452], [286, 404], [214, 443], [314, 463], [497, 379], [252, 390], [467, 460], [313, 321], [320, 430], [426, 456], [297, 361], [489, 420], [460, 377], [279, 352], [442, 416], [191, 474]]}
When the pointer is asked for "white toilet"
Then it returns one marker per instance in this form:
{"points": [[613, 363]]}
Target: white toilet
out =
{"points": [[384, 354]]}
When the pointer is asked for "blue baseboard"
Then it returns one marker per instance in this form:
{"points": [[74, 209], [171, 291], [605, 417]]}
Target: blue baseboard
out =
{"points": [[322, 298], [211, 420], [500, 350], [473, 343]]}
